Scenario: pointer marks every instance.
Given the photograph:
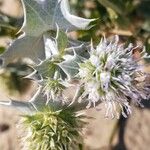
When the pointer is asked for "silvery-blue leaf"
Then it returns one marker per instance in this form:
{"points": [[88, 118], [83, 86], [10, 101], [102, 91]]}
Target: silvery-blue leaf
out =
{"points": [[70, 65], [81, 48], [41, 101], [43, 15], [25, 47], [36, 103], [46, 68], [38, 100], [24, 107]]}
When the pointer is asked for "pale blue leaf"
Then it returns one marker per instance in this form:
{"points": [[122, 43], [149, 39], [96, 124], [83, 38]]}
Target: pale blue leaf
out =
{"points": [[24, 107], [36, 103], [46, 68], [71, 65], [25, 47], [43, 15]]}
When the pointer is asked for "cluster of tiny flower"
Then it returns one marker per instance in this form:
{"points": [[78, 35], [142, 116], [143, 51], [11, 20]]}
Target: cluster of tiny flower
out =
{"points": [[113, 76]]}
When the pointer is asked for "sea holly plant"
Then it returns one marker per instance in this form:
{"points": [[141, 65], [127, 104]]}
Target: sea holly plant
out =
{"points": [[111, 75], [107, 73]]}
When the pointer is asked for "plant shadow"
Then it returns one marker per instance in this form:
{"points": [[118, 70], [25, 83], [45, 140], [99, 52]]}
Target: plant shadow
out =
{"points": [[122, 128]]}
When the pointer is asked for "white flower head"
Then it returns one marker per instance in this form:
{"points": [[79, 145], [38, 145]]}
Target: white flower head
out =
{"points": [[110, 76], [53, 89]]}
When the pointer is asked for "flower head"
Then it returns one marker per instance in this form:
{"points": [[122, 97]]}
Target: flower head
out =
{"points": [[53, 88], [52, 130], [111, 75]]}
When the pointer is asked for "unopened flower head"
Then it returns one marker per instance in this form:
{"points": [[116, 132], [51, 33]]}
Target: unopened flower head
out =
{"points": [[51, 129], [112, 75], [53, 89]]}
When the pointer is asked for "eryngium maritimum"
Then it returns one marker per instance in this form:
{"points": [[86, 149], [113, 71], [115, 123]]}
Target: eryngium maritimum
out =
{"points": [[113, 76], [52, 130]]}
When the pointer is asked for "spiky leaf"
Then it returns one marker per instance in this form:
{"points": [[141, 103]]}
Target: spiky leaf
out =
{"points": [[25, 47], [46, 69], [44, 15], [36, 103], [70, 66]]}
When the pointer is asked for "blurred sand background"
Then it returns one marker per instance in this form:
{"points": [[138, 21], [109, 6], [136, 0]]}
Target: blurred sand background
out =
{"points": [[131, 134]]}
